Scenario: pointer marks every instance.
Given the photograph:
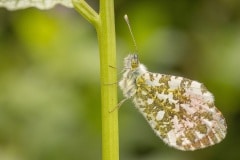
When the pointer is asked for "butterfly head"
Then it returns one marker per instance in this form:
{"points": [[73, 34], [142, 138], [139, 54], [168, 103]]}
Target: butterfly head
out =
{"points": [[134, 61], [132, 64]]}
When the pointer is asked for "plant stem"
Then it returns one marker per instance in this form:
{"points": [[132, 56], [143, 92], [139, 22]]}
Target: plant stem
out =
{"points": [[86, 11], [107, 46], [105, 25]]}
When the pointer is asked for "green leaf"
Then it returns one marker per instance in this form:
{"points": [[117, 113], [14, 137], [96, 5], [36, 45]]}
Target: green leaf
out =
{"points": [[40, 4]]}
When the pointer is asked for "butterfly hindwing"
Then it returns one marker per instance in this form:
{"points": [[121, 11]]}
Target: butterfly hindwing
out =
{"points": [[180, 111]]}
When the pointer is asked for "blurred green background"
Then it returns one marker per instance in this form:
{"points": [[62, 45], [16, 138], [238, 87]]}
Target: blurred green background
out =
{"points": [[49, 77]]}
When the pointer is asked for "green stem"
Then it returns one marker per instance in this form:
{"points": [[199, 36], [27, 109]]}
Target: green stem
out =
{"points": [[105, 26], [107, 44], [86, 11]]}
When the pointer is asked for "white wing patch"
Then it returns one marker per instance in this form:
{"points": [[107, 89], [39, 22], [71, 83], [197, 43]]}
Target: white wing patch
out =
{"points": [[160, 115]]}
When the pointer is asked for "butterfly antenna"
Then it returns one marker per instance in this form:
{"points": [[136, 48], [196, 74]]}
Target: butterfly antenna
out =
{"points": [[130, 29]]}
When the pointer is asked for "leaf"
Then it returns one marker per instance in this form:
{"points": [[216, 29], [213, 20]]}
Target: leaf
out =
{"points": [[40, 4]]}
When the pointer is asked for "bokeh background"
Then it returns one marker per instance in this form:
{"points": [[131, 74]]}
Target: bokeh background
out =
{"points": [[49, 77]]}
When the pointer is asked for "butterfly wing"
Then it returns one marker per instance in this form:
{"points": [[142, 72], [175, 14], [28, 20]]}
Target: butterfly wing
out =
{"points": [[180, 111]]}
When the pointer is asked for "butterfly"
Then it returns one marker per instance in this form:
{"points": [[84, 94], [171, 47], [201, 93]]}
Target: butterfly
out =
{"points": [[179, 110]]}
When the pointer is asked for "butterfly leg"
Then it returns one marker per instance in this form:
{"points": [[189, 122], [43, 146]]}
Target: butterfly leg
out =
{"points": [[118, 105]]}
